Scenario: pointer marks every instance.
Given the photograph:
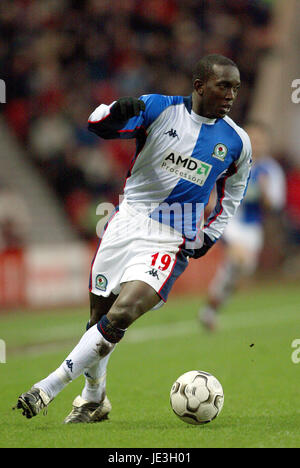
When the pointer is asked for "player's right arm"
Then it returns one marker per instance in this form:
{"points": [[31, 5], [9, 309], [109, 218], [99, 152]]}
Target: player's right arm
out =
{"points": [[128, 117], [110, 121]]}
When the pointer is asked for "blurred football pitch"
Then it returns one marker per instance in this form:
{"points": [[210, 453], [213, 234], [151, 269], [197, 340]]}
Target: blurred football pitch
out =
{"points": [[250, 353]]}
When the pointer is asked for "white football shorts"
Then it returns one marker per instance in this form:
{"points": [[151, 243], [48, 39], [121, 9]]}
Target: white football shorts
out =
{"points": [[134, 246], [249, 236]]}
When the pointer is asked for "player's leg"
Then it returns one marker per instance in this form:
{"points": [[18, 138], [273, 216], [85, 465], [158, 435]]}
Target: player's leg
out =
{"points": [[99, 306], [99, 340], [44, 391], [95, 376], [239, 262], [135, 298], [242, 250], [223, 285], [93, 405]]}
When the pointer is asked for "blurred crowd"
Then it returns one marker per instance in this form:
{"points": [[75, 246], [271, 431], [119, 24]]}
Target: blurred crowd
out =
{"points": [[62, 58], [15, 219]]}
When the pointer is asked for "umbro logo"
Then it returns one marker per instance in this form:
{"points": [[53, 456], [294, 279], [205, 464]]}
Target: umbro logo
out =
{"points": [[153, 273], [172, 133]]}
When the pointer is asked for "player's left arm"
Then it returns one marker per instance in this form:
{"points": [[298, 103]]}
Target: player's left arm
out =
{"points": [[231, 189]]}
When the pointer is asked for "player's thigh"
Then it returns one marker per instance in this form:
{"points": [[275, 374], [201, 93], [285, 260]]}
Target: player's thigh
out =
{"points": [[244, 258], [237, 253], [100, 306], [135, 298]]}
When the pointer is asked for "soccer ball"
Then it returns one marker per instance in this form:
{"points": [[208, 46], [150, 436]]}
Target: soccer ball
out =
{"points": [[197, 397]]}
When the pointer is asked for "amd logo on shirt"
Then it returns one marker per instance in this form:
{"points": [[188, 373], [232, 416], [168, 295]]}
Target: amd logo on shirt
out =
{"points": [[186, 167]]}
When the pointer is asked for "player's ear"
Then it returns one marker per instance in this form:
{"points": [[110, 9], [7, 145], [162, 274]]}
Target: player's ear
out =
{"points": [[199, 86]]}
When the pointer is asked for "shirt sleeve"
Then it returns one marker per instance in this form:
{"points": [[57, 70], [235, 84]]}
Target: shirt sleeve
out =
{"points": [[102, 123], [231, 189]]}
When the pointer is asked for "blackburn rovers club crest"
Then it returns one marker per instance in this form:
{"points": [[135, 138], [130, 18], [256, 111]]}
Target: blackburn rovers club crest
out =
{"points": [[220, 151], [101, 282]]}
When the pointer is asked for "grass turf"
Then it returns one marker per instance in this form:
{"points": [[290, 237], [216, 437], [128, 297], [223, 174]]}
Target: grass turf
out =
{"points": [[250, 354]]}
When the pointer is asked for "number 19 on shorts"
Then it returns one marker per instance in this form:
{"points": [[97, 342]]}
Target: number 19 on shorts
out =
{"points": [[161, 261]]}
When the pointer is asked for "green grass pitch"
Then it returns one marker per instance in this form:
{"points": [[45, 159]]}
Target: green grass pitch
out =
{"points": [[250, 353]]}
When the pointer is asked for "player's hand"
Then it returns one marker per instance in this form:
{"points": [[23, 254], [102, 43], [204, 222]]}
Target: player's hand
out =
{"points": [[127, 107], [207, 244]]}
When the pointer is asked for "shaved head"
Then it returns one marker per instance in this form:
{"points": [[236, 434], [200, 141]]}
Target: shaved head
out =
{"points": [[204, 69]]}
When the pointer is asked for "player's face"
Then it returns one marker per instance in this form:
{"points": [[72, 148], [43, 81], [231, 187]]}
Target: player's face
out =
{"points": [[219, 92]]}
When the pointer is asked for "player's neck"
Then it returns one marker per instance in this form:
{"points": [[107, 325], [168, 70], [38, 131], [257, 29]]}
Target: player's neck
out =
{"points": [[199, 114], [198, 108]]}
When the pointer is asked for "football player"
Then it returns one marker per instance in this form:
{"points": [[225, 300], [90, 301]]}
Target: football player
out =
{"points": [[184, 145]]}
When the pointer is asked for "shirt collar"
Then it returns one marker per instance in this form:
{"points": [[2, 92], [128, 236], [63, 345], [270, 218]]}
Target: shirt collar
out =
{"points": [[200, 119], [188, 101]]}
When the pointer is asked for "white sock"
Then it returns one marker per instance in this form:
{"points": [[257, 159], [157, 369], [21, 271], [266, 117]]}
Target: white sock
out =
{"points": [[95, 381], [54, 383], [85, 355]]}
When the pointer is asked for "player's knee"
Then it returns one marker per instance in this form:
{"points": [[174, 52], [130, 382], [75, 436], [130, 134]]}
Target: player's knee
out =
{"points": [[95, 317], [99, 306], [125, 311]]}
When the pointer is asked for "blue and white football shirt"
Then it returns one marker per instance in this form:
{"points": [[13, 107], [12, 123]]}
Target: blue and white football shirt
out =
{"points": [[179, 158], [268, 172]]}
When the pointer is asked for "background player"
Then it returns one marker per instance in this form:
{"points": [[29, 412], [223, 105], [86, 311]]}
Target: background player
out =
{"points": [[243, 238], [184, 145]]}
